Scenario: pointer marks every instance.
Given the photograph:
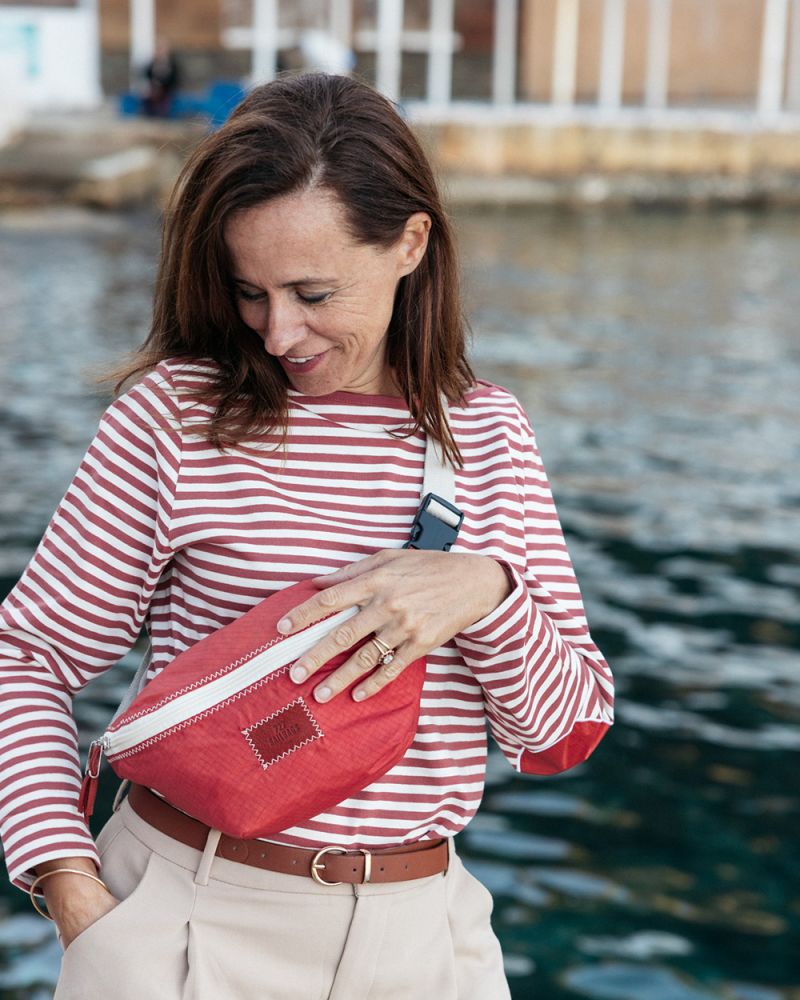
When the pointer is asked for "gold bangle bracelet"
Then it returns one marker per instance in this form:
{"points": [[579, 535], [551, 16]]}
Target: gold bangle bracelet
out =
{"points": [[58, 871]]}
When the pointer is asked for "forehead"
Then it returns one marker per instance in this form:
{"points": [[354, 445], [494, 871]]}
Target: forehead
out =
{"points": [[307, 228]]}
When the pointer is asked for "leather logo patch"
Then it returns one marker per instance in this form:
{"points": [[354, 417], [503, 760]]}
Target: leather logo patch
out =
{"points": [[282, 733]]}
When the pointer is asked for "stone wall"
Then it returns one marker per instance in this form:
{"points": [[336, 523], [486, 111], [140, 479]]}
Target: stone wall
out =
{"points": [[582, 163], [714, 50], [193, 29], [714, 46]]}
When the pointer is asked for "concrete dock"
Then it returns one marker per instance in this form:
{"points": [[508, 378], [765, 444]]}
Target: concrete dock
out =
{"points": [[98, 159], [528, 156]]}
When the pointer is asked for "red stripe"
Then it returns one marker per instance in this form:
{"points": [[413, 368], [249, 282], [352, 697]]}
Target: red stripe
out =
{"points": [[195, 545]]}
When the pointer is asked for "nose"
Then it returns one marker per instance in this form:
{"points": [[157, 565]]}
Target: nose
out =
{"points": [[284, 326]]}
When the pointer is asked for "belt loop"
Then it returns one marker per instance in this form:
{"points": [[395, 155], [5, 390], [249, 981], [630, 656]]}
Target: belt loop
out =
{"points": [[209, 851]]}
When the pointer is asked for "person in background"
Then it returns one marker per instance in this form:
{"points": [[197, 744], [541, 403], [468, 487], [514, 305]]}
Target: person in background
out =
{"points": [[306, 332], [162, 74]]}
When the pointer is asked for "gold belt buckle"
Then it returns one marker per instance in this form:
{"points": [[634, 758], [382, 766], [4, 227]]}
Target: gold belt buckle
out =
{"points": [[317, 866]]}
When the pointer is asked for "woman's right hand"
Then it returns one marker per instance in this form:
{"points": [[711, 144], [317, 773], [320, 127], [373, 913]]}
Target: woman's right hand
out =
{"points": [[74, 901]]}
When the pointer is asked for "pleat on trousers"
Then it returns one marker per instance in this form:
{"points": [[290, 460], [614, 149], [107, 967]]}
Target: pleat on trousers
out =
{"points": [[191, 926]]}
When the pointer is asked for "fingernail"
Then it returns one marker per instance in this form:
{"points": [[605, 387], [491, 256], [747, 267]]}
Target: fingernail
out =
{"points": [[299, 674], [359, 695], [322, 694], [284, 626]]}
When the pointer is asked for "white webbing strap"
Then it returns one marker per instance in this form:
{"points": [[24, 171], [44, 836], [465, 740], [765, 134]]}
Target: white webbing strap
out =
{"points": [[439, 478]]}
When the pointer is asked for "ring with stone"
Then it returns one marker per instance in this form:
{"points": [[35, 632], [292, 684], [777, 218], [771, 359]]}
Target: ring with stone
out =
{"points": [[386, 651]]}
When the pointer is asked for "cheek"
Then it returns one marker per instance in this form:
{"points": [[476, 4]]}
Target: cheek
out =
{"points": [[250, 313], [373, 312], [381, 317], [384, 298]]}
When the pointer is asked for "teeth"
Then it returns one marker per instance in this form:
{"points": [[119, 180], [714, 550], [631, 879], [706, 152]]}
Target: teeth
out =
{"points": [[299, 361]]}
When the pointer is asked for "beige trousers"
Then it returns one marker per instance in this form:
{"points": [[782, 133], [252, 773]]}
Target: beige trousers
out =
{"points": [[194, 927]]}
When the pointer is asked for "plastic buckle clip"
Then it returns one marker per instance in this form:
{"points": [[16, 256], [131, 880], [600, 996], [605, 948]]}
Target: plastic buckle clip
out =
{"points": [[436, 524]]}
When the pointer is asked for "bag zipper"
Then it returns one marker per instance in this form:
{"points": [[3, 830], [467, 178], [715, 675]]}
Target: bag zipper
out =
{"points": [[186, 706], [201, 699]]}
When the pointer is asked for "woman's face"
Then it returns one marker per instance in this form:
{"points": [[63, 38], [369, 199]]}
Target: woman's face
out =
{"points": [[320, 301]]}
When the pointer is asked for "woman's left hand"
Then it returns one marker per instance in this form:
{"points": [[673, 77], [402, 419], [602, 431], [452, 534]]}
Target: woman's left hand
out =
{"points": [[412, 600]]}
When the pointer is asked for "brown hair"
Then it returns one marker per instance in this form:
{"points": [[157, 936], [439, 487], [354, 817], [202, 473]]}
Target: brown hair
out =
{"points": [[296, 132]]}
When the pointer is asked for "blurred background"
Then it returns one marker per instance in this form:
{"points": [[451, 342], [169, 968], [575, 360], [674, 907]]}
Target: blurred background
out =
{"points": [[625, 180]]}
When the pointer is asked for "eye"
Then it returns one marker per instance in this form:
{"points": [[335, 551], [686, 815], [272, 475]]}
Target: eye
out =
{"points": [[314, 299], [249, 296]]}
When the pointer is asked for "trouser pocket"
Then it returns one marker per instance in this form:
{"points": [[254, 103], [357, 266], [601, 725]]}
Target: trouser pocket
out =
{"points": [[139, 948], [476, 950]]}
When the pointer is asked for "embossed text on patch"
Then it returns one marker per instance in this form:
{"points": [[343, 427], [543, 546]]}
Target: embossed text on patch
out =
{"points": [[282, 733]]}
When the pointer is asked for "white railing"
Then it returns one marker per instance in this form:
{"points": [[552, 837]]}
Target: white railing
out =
{"points": [[142, 35], [773, 57], [778, 92]]}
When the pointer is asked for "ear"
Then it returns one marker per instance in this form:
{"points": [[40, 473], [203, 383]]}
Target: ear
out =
{"points": [[413, 242]]}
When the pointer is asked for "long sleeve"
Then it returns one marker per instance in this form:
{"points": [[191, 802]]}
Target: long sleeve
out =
{"points": [[134, 542], [77, 609], [547, 688]]}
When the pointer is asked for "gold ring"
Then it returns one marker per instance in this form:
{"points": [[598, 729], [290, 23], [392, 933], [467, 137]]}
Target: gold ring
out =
{"points": [[386, 651]]}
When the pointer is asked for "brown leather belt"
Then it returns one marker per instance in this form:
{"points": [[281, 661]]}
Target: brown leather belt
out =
{"points": [[393, 864]]}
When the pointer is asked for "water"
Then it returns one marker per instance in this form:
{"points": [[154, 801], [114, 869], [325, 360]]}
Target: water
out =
{"points": [[657, 356]]}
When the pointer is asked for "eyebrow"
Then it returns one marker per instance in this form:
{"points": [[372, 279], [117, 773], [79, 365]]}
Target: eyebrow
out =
{"points": [[290, 284]]}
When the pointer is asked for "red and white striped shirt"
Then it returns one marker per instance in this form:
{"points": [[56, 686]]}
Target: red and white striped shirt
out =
{"points": [[160, 528]]}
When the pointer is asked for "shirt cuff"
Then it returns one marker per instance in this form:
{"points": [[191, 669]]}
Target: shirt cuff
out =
{"points": [[486, 631], [22, 873]]}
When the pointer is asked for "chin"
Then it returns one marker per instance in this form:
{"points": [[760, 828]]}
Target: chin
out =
{"points": [[315, 387]]}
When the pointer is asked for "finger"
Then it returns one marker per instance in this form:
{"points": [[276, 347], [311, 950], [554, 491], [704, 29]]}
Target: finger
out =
{"points": [[337, 594], [353, 570], [360, 665], [338, 597], [386, 673], [337, 641]]}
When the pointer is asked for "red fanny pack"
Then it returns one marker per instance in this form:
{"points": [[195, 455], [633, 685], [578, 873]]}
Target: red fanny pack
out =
{"points": [[224, 734]]}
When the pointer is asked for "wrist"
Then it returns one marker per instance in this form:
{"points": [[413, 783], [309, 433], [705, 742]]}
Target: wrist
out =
{"points": [[53, 864], [503, 582], [65, 883], [496, 585]]}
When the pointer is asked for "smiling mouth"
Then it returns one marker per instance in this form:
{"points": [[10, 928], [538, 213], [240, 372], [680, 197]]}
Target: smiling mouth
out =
{"points": [[302, 364], [301, 359]]}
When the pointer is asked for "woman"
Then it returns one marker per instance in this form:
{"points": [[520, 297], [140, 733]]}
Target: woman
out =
{"points": [[306, 325]]}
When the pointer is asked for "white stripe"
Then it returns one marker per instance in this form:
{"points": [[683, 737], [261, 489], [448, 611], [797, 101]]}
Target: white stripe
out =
{"points": [[231, 550]]}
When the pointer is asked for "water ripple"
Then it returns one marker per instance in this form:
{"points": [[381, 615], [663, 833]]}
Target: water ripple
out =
{"points": [[658, 357]]}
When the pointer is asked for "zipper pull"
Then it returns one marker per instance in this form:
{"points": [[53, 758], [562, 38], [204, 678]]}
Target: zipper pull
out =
{"points": [[89, 784]]}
